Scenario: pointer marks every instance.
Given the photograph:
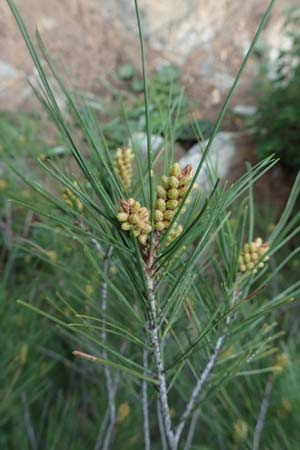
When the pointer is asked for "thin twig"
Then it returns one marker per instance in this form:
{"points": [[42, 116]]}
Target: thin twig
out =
{"points": [[110, 385], [107, 372], [106, 417], [199, 385], [192, 429], [205, 374], [145, 403], [101, 431], [260, 423], [105, 420]]}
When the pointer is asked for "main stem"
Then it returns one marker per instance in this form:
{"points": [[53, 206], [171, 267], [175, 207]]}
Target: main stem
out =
{"points": [[153, 329]]}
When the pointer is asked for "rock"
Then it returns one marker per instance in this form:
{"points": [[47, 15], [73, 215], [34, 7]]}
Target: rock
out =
{"points": [[222, 81], [219, 160], [7, 72], [46, 23], [216, 97], [244, 110], [139, 139], [12, 86]]}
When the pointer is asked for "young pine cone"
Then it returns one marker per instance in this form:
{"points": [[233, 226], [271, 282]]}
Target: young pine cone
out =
{"points": [[251, 254], [170, 195], [123, 166], [71, 200], [135, 217]]}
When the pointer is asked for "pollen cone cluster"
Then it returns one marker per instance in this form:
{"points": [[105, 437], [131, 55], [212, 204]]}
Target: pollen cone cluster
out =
{"points": [[135, 217], [252, 256], [170, 195], [123, 166], [71, 200]]}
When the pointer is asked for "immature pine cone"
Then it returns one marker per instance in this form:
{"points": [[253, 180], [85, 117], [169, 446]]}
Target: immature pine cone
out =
{"points": [[251, 254], [135, 217], [71, 200], [170, 195], [123, 166]]}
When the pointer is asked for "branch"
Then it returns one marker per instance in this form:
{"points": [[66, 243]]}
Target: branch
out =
{"points": [[111, 387], [145, 403], [192, 429], [107, 413], [206, 372], [199, 385], [153, 329], [262, 415]]}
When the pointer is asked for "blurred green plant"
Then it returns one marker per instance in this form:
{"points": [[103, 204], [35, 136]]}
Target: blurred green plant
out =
{"points": [[277, 118], [167, 99]]}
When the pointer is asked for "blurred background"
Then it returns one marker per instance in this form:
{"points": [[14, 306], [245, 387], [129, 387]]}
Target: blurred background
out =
{"points": [[206, 40], [199, 44], [194, 49]]}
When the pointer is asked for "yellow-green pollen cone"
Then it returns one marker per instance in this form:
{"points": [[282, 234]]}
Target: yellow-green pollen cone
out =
{"points": [[136, 218], [252, 256], [170, 195], [71, 200], [123, 165]]}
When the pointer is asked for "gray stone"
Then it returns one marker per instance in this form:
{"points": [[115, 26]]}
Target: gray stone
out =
{"points": [[7, 72], [218, 162], [223, 81], [139, 140], [46, 23], [244, 110]]}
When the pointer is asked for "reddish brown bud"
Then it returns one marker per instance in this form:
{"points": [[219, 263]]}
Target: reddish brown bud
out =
{"points": [[186, 171], [125, 206]]}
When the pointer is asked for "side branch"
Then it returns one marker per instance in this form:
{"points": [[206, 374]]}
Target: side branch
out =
{"points": [[192, 429], [205, 374], [199, 385], [111, 387], [262, 415]]}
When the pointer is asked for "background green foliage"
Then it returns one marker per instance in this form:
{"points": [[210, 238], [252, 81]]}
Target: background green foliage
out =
{"points": [[277, 119], [166, 95]]}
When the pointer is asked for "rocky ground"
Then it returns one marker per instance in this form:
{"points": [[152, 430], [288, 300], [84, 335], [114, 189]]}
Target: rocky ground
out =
{"points": [[206, 39]]}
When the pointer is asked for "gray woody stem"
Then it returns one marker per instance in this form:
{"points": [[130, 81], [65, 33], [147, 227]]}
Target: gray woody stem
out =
{"points": [[173, 436], [145, 403], [155, 342], [161, 428], [262, 415]]}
